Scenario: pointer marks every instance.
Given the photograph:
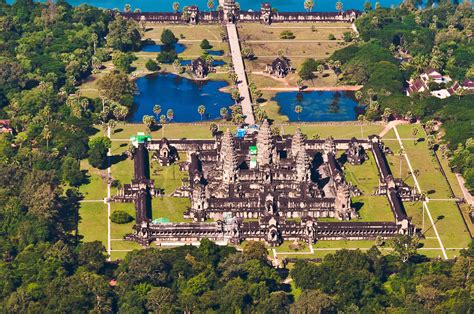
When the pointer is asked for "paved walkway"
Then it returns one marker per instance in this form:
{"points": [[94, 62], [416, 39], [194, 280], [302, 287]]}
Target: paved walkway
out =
{"points": [[246, 101], [109, 153], [390, 126]]}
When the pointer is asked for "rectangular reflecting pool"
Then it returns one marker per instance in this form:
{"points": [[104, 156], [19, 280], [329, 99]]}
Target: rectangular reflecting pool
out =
{"points": [[183, 95], [318, 105]]}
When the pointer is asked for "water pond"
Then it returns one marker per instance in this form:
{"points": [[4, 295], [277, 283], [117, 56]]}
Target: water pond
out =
{"points": [[180, 94], [179, 48], [319, 105]]}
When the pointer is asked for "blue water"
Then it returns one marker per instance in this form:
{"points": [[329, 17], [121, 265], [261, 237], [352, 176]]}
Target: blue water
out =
{"points": [[215, 52], [215, 63], [281, 5], [157, 48], [318, 106], [180, 94]]}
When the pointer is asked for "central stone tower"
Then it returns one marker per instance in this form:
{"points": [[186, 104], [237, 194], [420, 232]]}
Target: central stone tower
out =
{"points": [[265, 145], [228, 158]]}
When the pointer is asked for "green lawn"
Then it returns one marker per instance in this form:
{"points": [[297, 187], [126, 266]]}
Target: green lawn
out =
{"points": [[453, 182], [337, 130], [406, 131], [168, 178], [96, 187], [122, 167], [171, 208], [285, 247], [118, 231], [93, 222], [201, 130], [450, 225], [344, 244], [374, 208], [430, 178], [171, 130], [365, 176]]}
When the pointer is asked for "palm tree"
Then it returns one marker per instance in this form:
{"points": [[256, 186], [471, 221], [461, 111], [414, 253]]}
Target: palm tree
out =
{"points": [[224, 113], [112, 124], [298, 110], [308, 5], [128, 8], [414, 132], [210, 4], [339, 6], [459, 92], [47, 135], [320, 69], [358, 95], [176, 65], [157, 110], [300, 83], [175, 6], [94, 40], [235, 95], [148, 121], [213, 128], [170, 114], [162, 122], [202, 110]]}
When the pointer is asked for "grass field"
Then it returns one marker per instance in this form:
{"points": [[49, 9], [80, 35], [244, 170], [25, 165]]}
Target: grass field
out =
{"points": [[172, 208], [365, 176], [96, 187], [93, 222], [168, 178], [310, 31], [373, 208], [430, 178], [190, 32]]}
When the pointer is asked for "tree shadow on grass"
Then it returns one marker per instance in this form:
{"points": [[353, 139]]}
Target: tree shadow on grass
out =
{"points": [[440, 217], [115, 159]]}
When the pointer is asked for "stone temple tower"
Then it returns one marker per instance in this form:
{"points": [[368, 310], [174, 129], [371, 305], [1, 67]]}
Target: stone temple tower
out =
{"points": [[342, 204], [265, 145], [302, 166], [297, 143], [228, 158], [328, 147]]}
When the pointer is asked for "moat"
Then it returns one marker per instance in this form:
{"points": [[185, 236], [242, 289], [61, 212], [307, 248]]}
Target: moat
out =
{"points": [[281, 5]]}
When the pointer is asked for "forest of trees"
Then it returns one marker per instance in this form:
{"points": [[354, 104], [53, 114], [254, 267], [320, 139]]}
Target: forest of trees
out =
{"points": [[46, 50], [398, 44]]}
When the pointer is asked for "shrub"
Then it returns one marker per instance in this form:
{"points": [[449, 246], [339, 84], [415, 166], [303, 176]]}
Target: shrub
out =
{"points": [[151, 65], [168, 38], [331, 37], [287, 35], [205, 44], [167, 56], [120, 217]]}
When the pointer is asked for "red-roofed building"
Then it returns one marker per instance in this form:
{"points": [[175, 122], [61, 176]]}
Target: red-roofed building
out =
{"points": [[416, 86], [468, 85], [5, 126]]}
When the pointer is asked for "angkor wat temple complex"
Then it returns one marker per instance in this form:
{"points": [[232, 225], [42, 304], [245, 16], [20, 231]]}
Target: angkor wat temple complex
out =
{"points": [[231, 13], [266, 188]]}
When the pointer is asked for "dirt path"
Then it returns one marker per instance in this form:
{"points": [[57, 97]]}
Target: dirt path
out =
{"points": [[390, 126]]}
